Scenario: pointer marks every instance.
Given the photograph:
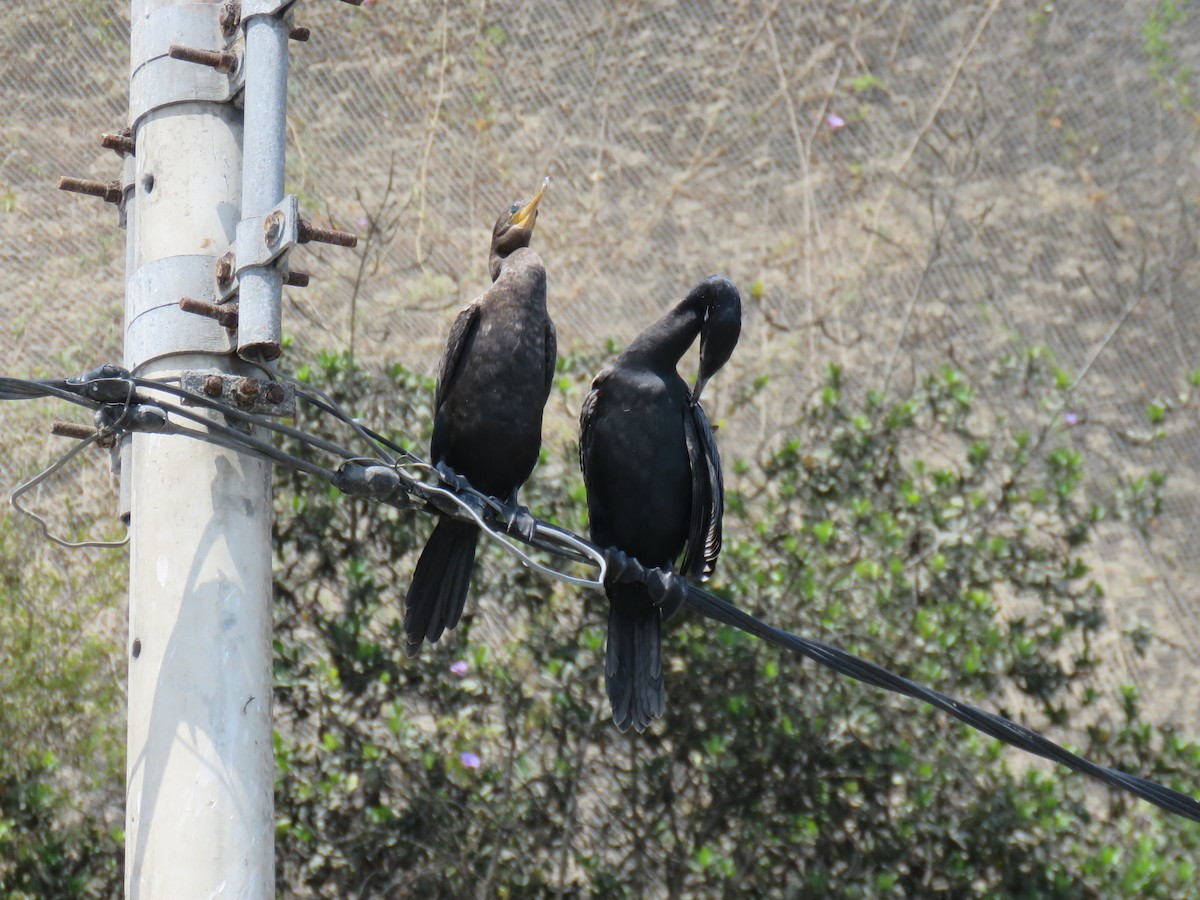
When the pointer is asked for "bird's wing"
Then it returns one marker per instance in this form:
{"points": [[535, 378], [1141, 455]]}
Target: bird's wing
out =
{"points": [[551, 354], [586, 418], [708, 494], [461, 333]]}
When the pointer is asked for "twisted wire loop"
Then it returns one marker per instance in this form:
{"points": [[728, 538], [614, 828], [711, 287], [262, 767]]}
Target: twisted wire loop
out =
{"points": [[122, 404], [112, 395], [18, 492]]}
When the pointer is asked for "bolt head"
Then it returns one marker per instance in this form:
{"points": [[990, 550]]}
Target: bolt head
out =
{"points": [[213, 385], [230, 17], [273, 392], [273, 228], [245, 390], [224, 268]]}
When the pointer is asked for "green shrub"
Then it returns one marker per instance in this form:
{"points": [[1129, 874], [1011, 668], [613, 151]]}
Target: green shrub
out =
{"points": [[914, 531]]}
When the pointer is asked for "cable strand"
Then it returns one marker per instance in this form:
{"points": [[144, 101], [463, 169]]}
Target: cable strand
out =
{"points": [[465, 503]]}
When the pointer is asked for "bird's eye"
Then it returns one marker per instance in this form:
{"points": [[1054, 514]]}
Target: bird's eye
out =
{"points": [[516, 207]]}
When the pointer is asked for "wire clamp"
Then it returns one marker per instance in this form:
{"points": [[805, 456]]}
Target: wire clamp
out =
{"points": [[104, 384], [667, 590], [252, 395], [374, 482]]}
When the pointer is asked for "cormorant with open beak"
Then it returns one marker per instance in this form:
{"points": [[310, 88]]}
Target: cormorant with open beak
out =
{"points": [[493, 383], [653, 479]]}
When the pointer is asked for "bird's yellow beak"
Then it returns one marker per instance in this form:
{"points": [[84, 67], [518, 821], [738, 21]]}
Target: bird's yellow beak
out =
{"points": [[523, 216]]}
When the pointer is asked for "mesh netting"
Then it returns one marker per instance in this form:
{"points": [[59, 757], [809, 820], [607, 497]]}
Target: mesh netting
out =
{"points": [[891, 183]]}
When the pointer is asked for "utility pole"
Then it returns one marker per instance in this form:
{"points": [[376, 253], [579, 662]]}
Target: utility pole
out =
{"points": [[208, 234], [199, 772]]}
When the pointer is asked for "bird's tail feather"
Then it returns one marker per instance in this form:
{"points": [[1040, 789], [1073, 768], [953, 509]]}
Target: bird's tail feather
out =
{"points": [[633, 662], [439, 585]]}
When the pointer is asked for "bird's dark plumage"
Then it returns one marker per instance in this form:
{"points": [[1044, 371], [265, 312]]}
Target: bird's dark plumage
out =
{"points": [[654, 481], [493, 383]]}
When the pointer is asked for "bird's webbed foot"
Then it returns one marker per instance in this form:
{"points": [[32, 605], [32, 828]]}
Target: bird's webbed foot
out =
{"points": [[464, 494], [520, 521], [667, 590], [450, 478]]}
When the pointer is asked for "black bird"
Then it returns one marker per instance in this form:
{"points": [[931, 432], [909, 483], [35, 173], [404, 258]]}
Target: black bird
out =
{"points": [[653, 479], [493, 383]]}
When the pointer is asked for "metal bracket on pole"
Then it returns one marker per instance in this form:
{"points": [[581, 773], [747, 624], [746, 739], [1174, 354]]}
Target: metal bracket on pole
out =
{"points": [[162, 79], [232, 15], [277, 8], [157, 327], [247, 393], [128, 189], [261, 240]]}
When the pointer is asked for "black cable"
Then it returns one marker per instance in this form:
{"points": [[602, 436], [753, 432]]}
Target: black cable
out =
{"points": [[251, 418], [712, 607], [115, 390], [239, 441], [318, 398], [23, 389]]}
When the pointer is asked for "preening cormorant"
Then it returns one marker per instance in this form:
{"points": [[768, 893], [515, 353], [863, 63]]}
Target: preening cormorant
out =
{"points": [[493, 383], [653, 479]]}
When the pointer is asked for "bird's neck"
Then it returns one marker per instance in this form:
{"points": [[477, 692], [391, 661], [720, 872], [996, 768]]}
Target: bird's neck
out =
{"points": [[523, 275], [664, 343], [499, 260]]}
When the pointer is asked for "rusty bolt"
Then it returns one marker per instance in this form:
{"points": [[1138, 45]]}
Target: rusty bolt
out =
{"points": [[224, 268], [213, 385], [273, 228], [220, 60], [273, 392], [296, 279], [226, 314], [72, 430], [118, 143], [309, 232], [245, 390], [300, 33], [230, 17], [108, 191]]}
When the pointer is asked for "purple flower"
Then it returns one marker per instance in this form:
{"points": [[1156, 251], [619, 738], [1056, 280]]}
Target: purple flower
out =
{"points": [[835, 122], [1071, 419], [459, 668], [470, 760], [362, 223]]}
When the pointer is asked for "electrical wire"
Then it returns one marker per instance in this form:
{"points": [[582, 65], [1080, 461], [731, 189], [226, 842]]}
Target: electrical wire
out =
{"points": [[118, 410], [15, 499], [712, 607]]}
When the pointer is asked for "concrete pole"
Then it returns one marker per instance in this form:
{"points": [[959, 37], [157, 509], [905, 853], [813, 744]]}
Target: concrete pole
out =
{"points": [[199, 814]]}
